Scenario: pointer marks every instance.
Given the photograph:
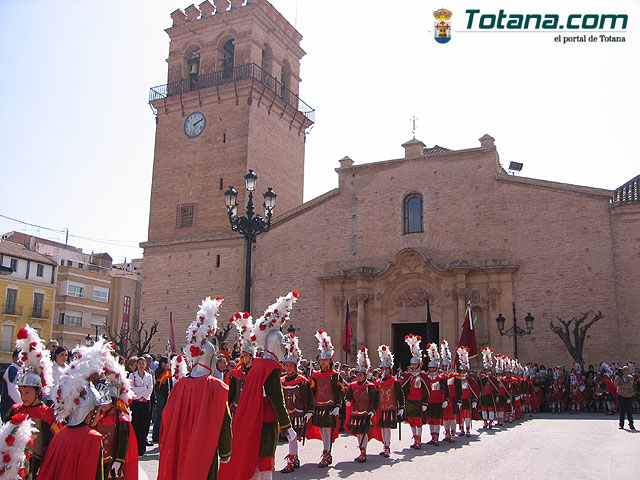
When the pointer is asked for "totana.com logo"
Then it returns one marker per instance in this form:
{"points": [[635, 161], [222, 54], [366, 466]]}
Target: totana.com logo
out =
{"points": [[442, 25]]}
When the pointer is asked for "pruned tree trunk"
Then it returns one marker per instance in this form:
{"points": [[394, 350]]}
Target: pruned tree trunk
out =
{"points": [[136, 341], [573, 338]]}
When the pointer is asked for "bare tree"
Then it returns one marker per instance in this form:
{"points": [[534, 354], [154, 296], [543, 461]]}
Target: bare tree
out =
{"points": [[222, 332], [136, 341], [575, 343]]}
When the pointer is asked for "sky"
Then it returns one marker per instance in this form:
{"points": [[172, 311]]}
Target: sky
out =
{"points": [[77, 134]]}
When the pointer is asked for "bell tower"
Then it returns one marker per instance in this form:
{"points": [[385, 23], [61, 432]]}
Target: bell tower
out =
{"points": [[230, 104]]}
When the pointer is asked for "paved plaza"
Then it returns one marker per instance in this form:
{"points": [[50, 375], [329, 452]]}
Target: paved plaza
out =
{"points": [[587, 446]]}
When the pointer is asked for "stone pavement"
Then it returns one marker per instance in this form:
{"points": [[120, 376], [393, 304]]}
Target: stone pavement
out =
{"points": [[586, 446]]}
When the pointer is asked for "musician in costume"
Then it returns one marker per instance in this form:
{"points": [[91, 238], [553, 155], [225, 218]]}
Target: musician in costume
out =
{"points": [[488, 389], [196, 423], [261, 414], [454, 387], [328, 394], [391, 399], [236, 377], [75, 452], [362, 403], [119, 443], [414, 387], [438, 395], [297, 397], [470, 392], [34, 382]]}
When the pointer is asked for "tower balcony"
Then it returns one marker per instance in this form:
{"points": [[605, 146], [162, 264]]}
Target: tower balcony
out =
{"points": [[250, 71]]}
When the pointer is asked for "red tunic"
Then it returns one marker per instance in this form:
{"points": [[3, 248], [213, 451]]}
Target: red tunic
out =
{"points": [[191, 421], [73, 454], [247, 426], [130, 467]]}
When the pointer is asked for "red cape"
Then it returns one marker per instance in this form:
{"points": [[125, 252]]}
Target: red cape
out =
{"points": [[375, 433], [191, 420], [73, 454], [612, 389], [247, 424], [130, 467]]}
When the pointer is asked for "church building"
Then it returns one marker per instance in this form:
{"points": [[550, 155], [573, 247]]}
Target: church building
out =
{"points": [[432, 230]]}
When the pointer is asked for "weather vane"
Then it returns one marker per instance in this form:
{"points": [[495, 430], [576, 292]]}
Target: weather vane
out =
{"points": [[413, 128]]}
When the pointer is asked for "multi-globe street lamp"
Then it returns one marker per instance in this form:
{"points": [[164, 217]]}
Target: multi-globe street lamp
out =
{"points": [[515, 331], [249, 225]]}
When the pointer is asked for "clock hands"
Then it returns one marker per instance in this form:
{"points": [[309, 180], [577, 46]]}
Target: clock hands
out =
{"points": [[196, 123]]}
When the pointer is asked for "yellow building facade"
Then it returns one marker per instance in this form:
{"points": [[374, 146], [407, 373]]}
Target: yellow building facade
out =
{"points": [[27, 294]]}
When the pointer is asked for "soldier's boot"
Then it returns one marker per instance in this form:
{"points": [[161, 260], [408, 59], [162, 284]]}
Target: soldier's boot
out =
{"points": [[290, 467], [326, 459], [362, 457]]}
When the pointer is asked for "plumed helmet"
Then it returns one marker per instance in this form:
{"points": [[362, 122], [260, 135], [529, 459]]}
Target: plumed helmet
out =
{"points": [[244, 324], [205, 363], [273, 346], [324, 344], [434, 356], [463, 357], [386, 357], [487, 357], [414, 347], [293, 353], [445, 353], [29, 378], [202, 328], [88, 401], [36, 359], [363, 360]]}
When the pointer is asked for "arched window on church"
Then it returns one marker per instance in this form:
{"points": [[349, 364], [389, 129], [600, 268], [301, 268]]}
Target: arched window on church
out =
{"points": [[413, 213], [267, 62], [228, 58]]}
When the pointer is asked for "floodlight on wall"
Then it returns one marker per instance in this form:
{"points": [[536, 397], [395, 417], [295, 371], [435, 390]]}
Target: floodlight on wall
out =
{"points": [[515, 167]]}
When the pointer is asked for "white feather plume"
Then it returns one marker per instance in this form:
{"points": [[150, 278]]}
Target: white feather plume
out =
{"points": [[363, 358], [116, 375], [445, 353], [14, 438], [87, 366], [291, 346], [244, 324], [432, 351], [385, 355], [324, 341], [35, 356], [463, 355], [274, 317], [178, 368], [203, 326], [487, 357], [414, 344]]}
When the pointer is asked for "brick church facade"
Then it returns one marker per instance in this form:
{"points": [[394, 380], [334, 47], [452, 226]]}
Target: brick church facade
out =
{"points": [[447, 226]]}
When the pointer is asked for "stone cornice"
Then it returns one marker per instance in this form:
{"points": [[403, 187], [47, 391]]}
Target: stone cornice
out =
{"points": [[555, 186]]}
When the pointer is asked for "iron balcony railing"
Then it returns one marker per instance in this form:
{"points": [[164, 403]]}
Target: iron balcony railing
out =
{"points": [[12, 310], [221, 77], [39, 313], [628, 193]]}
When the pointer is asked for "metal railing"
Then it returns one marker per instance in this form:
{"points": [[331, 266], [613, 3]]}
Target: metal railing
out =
{"points": [[39, 313], [221, 77], [12, 310], [628, 193]]}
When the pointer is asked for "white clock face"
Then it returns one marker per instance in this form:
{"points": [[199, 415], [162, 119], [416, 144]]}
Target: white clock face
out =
{"points": [[194, 124]]}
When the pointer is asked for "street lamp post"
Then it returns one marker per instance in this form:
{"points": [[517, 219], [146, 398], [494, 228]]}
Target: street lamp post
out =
{"points": [[515, 331], [249, 225]]}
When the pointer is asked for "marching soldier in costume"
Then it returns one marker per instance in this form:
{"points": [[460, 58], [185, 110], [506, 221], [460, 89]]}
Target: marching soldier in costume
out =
{"points": [[119, 443], [261, 412], [414, 386], [33, 383], [438, 395], [503, 398], [297, 398], [236, 377], [362, 398], [75, 452], [328, 394], [196, 424], [454, 386], [15, 436], [391, 399], [470, 392], [488, 389]]}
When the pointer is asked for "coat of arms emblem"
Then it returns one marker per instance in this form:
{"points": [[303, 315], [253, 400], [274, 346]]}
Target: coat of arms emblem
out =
{"points": [[442, 25]]}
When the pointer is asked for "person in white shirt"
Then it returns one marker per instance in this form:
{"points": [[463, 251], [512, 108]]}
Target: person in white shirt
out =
{"points": [[142, 386]]}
